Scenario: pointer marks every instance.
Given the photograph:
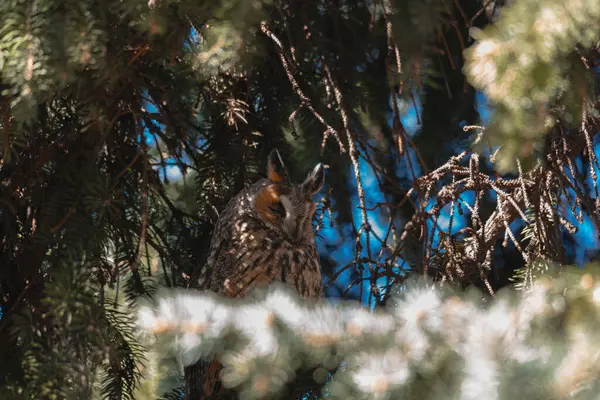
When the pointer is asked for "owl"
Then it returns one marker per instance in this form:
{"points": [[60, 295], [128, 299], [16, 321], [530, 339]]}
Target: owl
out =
{"points": [[264, 234]]}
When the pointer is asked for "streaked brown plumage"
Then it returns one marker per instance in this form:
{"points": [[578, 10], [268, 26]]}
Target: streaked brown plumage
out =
{"points": [[264, 234]]}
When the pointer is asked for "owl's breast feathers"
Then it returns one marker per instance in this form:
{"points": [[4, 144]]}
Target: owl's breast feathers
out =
{"points": [[253, 254]]}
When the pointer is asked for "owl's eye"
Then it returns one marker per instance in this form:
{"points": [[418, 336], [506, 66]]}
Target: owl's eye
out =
{"points": [[277, 208]]}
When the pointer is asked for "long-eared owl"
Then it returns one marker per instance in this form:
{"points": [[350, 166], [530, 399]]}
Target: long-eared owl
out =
{"points": [[264, 234]]}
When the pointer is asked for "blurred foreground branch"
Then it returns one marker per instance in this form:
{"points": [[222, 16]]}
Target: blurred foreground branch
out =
{"points": [[431, 342]]}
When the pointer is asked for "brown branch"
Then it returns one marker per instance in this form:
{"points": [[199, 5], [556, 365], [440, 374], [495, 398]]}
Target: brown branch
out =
{"points": [[482, 9], [296, 87]]}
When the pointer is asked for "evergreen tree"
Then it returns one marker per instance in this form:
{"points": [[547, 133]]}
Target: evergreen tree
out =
{"points": [[126, 126]]}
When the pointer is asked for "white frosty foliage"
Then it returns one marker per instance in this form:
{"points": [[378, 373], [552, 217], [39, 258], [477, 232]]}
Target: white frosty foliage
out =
{"points": [[430, 344]]}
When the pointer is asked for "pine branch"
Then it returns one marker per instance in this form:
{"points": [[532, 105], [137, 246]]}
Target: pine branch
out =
{"points": [[433, 341]]}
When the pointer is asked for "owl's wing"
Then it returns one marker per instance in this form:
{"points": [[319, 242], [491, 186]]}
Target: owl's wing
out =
{"points": [[238, 262], [218, 262]]}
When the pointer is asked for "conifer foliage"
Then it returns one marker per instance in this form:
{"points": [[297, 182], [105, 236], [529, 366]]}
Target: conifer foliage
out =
{"points": [[430, 342], [127, 125]]}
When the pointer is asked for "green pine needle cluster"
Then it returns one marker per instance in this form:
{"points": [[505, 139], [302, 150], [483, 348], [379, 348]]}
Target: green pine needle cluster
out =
{"points": [[529, 65], [430, 342]]}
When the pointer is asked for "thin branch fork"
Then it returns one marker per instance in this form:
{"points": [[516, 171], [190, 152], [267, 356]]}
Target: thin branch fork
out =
{"points": [[305, 100]]}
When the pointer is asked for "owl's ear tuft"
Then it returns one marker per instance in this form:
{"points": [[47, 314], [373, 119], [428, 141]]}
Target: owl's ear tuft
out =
{"points": [[276, 170], [314, 181]]}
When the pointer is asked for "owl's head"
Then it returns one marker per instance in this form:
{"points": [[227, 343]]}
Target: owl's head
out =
{"points": [[285, 205]]}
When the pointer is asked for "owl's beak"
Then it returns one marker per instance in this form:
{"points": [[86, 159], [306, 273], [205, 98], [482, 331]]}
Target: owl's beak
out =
{"points": [[294, 229], [294, 232]]}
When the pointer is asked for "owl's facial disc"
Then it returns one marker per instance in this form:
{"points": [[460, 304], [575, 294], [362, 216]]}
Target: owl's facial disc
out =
{"points": [[268, 204], [286, 205]]}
